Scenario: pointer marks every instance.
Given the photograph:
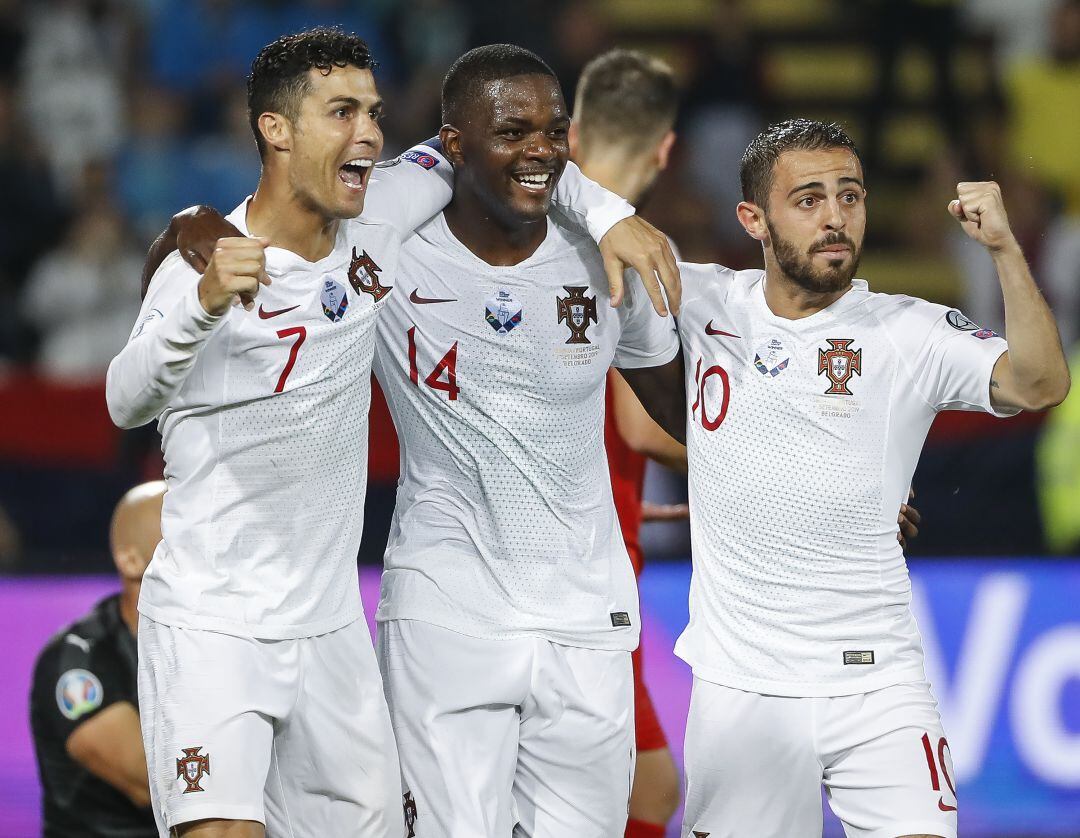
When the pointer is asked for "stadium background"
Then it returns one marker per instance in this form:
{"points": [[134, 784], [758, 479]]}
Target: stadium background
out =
{"points": [[115, 113]]}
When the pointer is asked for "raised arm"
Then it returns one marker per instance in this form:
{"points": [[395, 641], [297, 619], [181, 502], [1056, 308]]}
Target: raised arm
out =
{"points": [[1033, 373], [411, 188]]}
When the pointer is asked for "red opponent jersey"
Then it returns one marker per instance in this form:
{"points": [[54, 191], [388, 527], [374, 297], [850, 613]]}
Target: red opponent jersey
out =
{"points": [[627, 469]]}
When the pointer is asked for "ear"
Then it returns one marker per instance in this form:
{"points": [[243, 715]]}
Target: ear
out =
{"points": [[277, 131], [574, 138], [663, 151], [752, 218], [128, 563], [451, 143]]}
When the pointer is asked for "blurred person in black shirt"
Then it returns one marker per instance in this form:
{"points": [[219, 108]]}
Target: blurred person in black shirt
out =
{"points": [[84, 706]]}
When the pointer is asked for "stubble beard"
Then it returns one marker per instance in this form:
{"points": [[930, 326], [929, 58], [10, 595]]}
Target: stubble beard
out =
{"points": [[799, 267]]}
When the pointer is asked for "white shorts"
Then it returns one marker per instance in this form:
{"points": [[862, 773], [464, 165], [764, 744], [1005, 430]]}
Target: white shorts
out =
{"points": [[294, 734], [755, 764], [519, 737]]}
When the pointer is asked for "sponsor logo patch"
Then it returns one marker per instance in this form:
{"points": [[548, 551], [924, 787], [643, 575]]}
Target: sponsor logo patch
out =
{"points": [[577, 311], [335, 302], [502, 311], [839, 362], [192, 766], [424, 161], [78, 692], [858, 658]]}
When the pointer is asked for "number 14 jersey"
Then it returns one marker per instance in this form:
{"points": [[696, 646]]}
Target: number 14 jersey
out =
{"points": [[495, 376]]}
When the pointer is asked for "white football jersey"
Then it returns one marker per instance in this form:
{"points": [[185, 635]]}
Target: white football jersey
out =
{"points": [[263, 417], [803, 436], [504, 525]]}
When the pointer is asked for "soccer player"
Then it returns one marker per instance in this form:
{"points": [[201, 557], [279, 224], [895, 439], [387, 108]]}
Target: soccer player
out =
{"points": [[508, 604], [621, 137], [84, 707], [809, 399], [263, 703]]}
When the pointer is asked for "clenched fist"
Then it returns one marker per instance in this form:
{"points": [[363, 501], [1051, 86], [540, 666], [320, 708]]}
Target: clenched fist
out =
{"points": [[236, 270], [980, 210]]}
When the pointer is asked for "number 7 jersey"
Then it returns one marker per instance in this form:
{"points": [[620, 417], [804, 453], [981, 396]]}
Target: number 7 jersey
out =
{"points": [[265, 440], [495, 376]]}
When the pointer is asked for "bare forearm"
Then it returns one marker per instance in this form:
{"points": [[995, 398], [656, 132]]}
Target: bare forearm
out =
{"points": [[1039, 368], [660, 391]]}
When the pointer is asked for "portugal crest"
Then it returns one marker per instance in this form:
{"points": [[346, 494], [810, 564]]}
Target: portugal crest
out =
{"points": [[364, 276], [839, 363], [192, 766], [577, 311]]}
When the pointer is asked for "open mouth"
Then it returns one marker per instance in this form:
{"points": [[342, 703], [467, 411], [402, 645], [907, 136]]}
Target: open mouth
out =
{"points": [[354, 173], [534, 182]]}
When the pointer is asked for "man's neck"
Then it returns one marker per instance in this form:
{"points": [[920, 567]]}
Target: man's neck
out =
{"points": [[279, 214], [495, 240], [626, 176], [789, 300]]}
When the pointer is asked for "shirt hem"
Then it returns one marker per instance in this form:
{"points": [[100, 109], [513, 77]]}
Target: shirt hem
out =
{"points": [[621, 641], [197, 622], [814, 689]]}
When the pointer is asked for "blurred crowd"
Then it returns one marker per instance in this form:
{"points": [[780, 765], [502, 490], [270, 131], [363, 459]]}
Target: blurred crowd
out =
{"points": [[114, 114]]}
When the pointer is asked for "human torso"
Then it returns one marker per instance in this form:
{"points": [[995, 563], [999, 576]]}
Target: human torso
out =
{"points": [[803, 436]]}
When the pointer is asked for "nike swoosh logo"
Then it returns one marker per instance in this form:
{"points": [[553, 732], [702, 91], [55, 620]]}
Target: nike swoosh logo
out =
{"points": [[416, 298], [266, 315], [943, 806], [709, 330]]}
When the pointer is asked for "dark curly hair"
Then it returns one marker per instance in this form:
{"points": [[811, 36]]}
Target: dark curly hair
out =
{"points": [[279, 81], [756, 165]]}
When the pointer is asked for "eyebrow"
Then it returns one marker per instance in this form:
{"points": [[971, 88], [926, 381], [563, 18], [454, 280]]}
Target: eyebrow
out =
{"points": [[817, 184], [353, 101]]}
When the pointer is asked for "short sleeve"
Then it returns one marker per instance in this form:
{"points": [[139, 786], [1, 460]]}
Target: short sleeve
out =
{"points": [[647, 339], [952, 357], [74, 681]]}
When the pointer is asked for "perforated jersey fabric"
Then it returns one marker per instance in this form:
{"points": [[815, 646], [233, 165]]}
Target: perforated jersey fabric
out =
{"points": [[495, 376], [803, 436]]}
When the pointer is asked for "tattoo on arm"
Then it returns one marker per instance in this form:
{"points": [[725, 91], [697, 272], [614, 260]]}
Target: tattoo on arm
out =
{"points": [[994, 385]]}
